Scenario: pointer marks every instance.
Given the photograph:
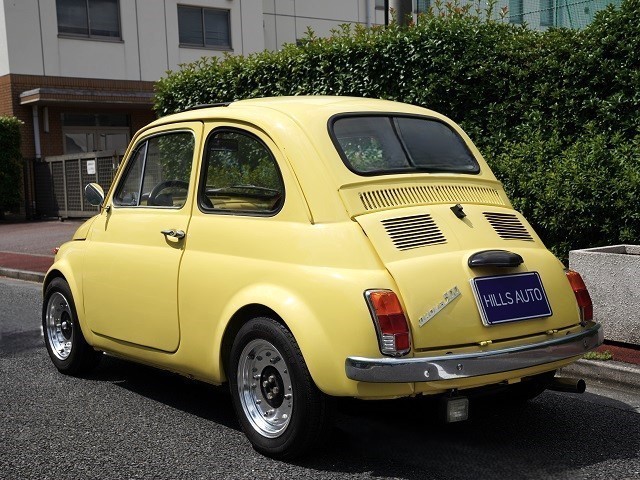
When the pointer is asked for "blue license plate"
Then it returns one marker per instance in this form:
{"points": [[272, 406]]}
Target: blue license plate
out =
{"points": [[510, 298]]}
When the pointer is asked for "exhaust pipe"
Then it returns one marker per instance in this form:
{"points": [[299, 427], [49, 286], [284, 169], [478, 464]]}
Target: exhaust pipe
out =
{"points": [[571, 385]]}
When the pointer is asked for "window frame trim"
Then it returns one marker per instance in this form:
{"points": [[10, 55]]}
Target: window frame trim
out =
{"points": [[127, 169], [89, 36], [203, 178], [204, 46]]}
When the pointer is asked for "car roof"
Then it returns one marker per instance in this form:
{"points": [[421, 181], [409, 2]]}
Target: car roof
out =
{"points": [[298, 107]]}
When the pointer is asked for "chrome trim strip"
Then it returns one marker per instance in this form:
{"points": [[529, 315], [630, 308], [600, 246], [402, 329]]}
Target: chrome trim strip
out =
{"points": [[451, 367]]}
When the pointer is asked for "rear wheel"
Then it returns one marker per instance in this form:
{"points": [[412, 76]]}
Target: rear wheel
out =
{"points": [[280, 409], [68, 349]]}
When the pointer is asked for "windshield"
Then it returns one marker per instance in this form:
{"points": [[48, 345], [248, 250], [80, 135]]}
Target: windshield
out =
{"points": [[393, 144]]}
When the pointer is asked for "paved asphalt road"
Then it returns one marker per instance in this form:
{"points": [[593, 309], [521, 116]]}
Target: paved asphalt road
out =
{"points": [[129, 421]]}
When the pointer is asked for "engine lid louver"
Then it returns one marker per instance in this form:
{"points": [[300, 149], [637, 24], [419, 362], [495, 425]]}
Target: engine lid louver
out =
{"points": [[428, 194], [508, 226], [413, 231]]}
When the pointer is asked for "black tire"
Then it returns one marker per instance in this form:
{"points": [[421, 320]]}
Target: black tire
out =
{"points": [[67, 347], [280, 409]]}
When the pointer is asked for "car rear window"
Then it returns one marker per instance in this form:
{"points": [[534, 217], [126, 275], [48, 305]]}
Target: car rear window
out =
{"points": [[394, 144]]}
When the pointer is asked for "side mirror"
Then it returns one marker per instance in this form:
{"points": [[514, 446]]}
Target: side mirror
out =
{"points": [[94, 194]]}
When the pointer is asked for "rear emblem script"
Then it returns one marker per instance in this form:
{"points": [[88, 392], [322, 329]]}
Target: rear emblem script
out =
{"points": [[449, 297]]}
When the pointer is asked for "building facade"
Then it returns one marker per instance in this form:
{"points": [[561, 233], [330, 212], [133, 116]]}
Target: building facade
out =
{"points": [[80, 73]]}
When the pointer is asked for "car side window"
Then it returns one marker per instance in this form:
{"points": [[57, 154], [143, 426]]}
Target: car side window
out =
{"points": [[240, 175], [158, 172]]}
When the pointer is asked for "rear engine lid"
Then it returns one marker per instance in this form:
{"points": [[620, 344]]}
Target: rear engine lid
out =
{"points": [[406, 191], [427, 249]]}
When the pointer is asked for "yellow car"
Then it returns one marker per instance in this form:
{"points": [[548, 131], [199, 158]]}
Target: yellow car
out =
{"points": [[306, 248]]}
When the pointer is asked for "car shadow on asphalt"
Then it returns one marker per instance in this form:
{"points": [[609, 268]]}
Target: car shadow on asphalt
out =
{"points": [[555, 435], [203, 400], [18, 342], [552, 436]]}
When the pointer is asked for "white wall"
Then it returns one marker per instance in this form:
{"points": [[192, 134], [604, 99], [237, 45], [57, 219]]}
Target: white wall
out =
{"points": [[22, 23], [4, 51], [29, 41], [149, 45], [246, 29], [286, 21]]}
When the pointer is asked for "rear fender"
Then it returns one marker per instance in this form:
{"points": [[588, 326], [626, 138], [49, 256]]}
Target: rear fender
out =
{"points": [[321, 346]]}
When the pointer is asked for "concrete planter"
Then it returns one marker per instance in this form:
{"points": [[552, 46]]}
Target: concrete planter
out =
{"points": [[612, 275]]}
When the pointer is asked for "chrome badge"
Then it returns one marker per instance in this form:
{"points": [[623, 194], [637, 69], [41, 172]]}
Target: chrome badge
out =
{"points": [[449, 297]]}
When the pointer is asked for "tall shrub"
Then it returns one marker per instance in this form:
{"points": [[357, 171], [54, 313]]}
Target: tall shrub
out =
{"points": [[10, 164], [581, 195]]}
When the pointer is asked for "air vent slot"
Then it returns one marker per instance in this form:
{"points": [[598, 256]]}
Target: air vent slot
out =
{"points": [[508, 226], [428, 194], [413, 231]]}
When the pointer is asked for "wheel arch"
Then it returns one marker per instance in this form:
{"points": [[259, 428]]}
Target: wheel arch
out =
{"points": [[293, 313], [242, 316], [52, 274], [62, 269]]}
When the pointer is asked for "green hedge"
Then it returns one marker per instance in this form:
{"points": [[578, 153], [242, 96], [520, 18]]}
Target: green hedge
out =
{"points": [[580, 195], [10, 163], [556, 113]]}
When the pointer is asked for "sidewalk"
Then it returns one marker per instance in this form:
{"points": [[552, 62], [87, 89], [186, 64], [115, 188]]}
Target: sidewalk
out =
{"points": [[26, 253], [26, 248]]}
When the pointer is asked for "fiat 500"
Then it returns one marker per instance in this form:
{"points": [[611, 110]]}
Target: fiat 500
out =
{"points": [[302, 249]]}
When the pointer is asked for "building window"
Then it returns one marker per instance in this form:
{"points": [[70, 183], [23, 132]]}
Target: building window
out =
{"points": [[88, 132], [204, 27], [380, 4], [546, 13], [552, 13], [422, 6], [89, 18], [516, 11]]}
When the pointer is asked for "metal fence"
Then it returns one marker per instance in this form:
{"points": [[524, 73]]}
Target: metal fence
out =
{"points": [[60, 181], [539, 14]]}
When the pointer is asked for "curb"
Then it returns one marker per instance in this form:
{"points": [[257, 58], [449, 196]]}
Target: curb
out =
{"points": [[22, 275], [624, 376]]}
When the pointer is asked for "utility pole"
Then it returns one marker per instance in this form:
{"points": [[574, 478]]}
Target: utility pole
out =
{"points": [[402, 9]]}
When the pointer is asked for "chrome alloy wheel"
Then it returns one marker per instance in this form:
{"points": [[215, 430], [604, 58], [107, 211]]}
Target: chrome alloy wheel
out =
{"points": [[59, 324], [264, 388]]}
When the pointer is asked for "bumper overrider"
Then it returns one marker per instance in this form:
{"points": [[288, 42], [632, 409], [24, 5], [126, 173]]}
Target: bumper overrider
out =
{"points": [[448, 367]]}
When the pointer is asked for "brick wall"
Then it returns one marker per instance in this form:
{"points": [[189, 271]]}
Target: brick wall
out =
{"points": [[51, 142], [11, 86]]}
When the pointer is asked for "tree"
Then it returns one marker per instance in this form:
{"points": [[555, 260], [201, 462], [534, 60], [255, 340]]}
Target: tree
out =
{"points": [[10, 163]]}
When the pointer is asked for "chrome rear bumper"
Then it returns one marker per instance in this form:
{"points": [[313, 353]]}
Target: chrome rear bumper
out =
{"points": [[448, 367]]}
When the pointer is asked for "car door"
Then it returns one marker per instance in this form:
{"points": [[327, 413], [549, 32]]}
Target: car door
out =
{"points": [[137, 242], [236, 232]]}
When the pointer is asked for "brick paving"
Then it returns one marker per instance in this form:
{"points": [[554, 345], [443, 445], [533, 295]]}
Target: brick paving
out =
{"points": [[625, 354], [26, 262]]}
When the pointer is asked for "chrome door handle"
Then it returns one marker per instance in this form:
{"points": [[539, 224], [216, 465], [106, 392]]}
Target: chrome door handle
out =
{"points": [[173, 233]]}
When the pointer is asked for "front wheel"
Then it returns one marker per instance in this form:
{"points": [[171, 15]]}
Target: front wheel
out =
{"points": [[282, 412], [69, 351]]}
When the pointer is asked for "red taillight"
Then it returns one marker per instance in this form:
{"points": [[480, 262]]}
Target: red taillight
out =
{"points": [[390, 321], [582, 295]]}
